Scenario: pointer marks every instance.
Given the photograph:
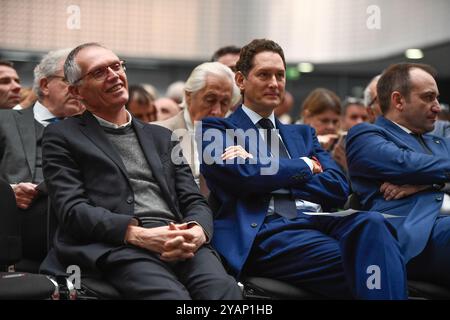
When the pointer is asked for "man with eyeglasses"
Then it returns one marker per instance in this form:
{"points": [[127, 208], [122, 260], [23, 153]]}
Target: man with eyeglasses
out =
{"points": [[125, 210], [21, 152], [371, 99]]}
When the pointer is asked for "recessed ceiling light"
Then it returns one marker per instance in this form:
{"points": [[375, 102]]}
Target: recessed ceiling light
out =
{"points": [[414, 54], [305, 67]]}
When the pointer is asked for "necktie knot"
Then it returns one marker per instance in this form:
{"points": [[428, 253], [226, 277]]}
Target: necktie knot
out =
{"points": [[54, 119], [265, 123]]}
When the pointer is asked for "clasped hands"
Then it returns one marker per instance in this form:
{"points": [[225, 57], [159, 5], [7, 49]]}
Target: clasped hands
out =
{"points": [[25, 193], [173, 242], [232, 152], [392, 191]]}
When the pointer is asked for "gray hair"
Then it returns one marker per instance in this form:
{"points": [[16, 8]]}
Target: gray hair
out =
{"points": [[72, 71], [197, 80], [367, 93], [49, 66]]}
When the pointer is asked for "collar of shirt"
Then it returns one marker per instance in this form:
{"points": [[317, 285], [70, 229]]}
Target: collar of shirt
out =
{"points": [[256, 117], [402, 127], [41, 114], [107, 124], [187, 119]]}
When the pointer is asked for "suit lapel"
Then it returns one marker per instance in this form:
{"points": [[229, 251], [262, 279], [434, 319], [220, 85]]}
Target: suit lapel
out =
{"points": [[402, 137], [436, 144], [92, 129], [286, 132], [27, 131], [147, 143]]}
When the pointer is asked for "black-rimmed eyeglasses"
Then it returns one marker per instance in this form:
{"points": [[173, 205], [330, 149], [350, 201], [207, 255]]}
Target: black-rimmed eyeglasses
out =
{"points": [[101, 73], [373, 101]]}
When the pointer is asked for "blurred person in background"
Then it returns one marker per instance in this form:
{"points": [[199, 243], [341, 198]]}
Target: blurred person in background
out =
{"points": [[353, 113], [166, 108], [228, 56], [442, 125], [21, 133], [141, 104], [151, 90], [282, 111], [321, 109], [9, 85], [27, 98], [371, 99], [175, 91]]}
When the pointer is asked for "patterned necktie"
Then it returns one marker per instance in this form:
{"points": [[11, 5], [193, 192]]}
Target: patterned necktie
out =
{"points": [[284, 205]]}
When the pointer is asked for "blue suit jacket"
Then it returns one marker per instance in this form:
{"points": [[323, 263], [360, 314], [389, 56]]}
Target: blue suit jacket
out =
{"points": [[244, 193], [383, 152]]}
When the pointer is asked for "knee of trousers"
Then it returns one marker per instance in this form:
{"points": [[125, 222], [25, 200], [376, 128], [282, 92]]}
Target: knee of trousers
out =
{"points": [[374, 219]]}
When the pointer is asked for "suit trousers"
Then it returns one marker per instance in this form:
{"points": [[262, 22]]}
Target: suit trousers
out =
{"points": [[355, 256], [433, 263], [140, 274], [34, 229]]}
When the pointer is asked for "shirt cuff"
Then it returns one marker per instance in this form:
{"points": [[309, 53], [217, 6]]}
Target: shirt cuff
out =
{"points": [[308, 162], [198, 224]]}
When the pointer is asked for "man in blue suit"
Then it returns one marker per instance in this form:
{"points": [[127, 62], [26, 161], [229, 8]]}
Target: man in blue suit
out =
{"points": [[397, 168], [272, 187]]}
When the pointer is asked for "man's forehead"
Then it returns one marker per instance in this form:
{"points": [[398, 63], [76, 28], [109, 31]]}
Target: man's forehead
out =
{"points": [[422, 80], [6, 71], [268, 59], [94, 56], [216, 82]]}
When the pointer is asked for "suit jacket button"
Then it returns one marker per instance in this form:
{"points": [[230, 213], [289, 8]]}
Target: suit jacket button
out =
{"points": [[439, 198], [254, 225], [130, 200]]}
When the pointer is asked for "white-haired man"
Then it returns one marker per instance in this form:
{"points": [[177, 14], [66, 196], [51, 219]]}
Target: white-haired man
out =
{"points": [[371, 99], [210, 91], [21, 153]]}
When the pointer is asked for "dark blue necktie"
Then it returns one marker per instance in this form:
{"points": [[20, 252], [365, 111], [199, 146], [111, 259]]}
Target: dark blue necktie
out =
{"points": [[419, 139], [268, 125], [54, 119], [284, 205]]}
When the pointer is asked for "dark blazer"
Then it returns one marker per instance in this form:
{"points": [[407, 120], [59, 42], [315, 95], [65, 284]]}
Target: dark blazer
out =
{"points": [[17, 145], [90, 189], [244, 192], [383, 152]]}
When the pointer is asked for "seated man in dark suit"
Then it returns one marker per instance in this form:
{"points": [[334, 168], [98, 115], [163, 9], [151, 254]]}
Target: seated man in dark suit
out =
{"points": [[125, 210], [271, 194], [21, 148], [398, 168]]}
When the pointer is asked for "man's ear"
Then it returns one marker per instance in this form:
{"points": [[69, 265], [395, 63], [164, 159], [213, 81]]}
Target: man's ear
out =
{"points": [[397, 100], [43, 85], [240, 78]]}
